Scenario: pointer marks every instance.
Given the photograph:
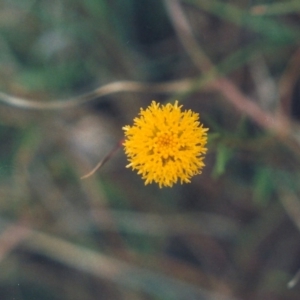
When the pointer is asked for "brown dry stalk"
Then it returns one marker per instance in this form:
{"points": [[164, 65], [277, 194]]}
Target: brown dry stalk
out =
{"points": [[103, 161]]}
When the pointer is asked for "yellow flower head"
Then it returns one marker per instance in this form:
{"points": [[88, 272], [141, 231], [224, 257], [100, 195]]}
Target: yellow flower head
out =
{"points": [[166, 144]]}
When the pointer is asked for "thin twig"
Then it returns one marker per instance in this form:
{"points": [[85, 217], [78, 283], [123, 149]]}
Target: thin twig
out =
{"points": [[186, 36], [103, 161], [110, 88], [118, 271], [279, 124], [11, 237]]}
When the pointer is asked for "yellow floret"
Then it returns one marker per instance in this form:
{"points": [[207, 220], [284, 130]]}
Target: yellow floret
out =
{"points": [[166, 144]]}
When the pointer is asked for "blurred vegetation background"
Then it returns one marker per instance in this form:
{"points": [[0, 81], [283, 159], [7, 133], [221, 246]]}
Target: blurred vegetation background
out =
{"points": [[72, 73]]}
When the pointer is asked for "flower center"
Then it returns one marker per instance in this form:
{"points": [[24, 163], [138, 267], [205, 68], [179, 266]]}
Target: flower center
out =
{"points": [[165, 144]]}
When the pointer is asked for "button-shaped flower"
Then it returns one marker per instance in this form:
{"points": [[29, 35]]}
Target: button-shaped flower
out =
{"points": [[166, 144]]}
